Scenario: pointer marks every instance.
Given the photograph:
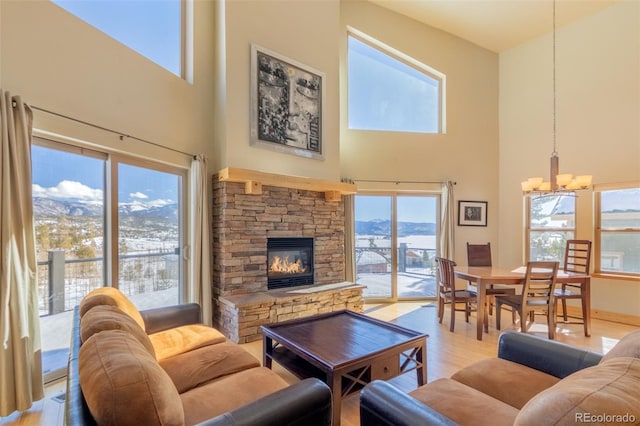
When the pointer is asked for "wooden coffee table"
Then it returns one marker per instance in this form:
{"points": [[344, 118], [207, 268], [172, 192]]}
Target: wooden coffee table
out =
{"points": [[346, 350]]}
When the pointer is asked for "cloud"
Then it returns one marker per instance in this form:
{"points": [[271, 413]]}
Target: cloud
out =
{"points": [[138, 195], [68, 189]]}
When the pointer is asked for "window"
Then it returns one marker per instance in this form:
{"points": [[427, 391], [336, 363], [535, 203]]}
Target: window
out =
{"points": [[617, 239], [104, 220], [388, 90], [551, 222], [152, 28], [396, 243]]}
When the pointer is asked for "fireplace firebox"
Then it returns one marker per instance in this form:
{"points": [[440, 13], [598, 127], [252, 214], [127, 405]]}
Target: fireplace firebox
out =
{"points": [[289, 262]]}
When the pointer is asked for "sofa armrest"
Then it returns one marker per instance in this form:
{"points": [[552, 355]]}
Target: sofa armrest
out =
{"points": [[306, 403], [167, 317], [382, 404], [76, 411], [548, 356]]}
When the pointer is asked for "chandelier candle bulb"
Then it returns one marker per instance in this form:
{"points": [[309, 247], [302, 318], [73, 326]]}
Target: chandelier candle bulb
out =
{"points": [[564, 179], [583, 181], [535, 182]]}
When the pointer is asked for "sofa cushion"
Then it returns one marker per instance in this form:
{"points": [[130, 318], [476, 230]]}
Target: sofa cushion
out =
{"points": [[463, 404], [193, 368], [510, 382], [608, 389], [110, 296], [628, 346], [229, 393], [174, 341], [123, 384], [107, 317]]}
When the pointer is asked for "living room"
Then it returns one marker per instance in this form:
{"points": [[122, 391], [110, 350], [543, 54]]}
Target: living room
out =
{"points": [[498, 105]]}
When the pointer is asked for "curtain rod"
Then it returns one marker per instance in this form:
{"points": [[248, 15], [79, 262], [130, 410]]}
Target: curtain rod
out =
{"points": [[122, 135], [398, 182]]}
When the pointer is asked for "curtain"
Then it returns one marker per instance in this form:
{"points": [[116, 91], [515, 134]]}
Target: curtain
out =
{"points": [[447, 221], [200, 253], [20, 350], [349, 236]]}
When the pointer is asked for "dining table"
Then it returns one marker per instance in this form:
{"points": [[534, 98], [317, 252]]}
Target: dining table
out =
{"points": [[483, 276]]}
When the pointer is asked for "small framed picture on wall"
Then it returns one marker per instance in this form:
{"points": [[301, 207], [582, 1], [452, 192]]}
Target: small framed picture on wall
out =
{"points": [[472, 213]]}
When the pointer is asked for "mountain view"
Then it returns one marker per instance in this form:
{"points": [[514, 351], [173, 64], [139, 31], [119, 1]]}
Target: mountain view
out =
{"points": [[383, 227]]}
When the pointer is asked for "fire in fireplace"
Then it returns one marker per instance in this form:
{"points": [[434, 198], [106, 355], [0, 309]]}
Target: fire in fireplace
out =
{"points": [[289, 262]]}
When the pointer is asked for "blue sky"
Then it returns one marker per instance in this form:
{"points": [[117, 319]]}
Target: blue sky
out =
{"points": [[410, 208], [150, 27], [65, 176]]}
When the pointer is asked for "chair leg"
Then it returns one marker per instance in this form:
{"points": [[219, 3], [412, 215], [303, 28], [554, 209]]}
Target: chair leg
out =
{"points": [[498, 315], [452, 323], [564, 309], [440, 309], [551, 321]]}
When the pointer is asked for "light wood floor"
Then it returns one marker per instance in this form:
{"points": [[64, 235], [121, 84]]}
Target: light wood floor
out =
{"points": [[446, 353]]}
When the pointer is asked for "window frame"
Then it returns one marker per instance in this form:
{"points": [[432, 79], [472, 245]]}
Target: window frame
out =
{"points": [[529, 229], [112, 159], [598, 230], [410, 62]]}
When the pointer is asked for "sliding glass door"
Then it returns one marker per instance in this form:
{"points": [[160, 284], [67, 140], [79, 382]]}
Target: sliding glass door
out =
{"points": [[396, 240]]}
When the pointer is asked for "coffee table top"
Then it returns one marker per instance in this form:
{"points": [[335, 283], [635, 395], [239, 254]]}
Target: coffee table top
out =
{"points": [[340, 337]]}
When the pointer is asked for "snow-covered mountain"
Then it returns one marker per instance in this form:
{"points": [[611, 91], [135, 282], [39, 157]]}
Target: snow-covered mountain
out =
{"points": [[46, 207]]}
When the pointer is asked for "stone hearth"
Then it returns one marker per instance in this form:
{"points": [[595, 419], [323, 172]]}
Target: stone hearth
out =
{"points": [[241, 223]]}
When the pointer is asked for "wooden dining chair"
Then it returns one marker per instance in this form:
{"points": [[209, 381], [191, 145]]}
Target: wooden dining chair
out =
{"points": [[480, 255], [577, 258], [448, 294], [537, 296]]}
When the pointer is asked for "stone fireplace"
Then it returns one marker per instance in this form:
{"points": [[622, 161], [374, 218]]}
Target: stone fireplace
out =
{"points": [[251, 217]]}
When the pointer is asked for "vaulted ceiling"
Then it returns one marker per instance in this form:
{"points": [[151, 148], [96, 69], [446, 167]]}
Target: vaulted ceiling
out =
{"points": [[496, 25]]}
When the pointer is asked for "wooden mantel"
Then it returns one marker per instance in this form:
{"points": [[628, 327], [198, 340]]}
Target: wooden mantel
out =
{"points": [[253, 181]]}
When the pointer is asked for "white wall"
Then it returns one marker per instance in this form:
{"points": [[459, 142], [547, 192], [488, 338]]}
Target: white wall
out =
{"points": [[598, 124], [57, 62], [305, 31], [467, 153]]}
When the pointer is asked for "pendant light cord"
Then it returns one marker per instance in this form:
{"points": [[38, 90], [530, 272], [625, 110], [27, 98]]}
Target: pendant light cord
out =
{"points": [[554, 153]]}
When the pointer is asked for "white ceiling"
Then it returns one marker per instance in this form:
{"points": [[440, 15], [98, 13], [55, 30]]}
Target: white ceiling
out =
{"points": [[496, 25]]}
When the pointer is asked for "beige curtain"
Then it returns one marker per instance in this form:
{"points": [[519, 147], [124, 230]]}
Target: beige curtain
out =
{"points": [[200, 253], [20, 350], [447, 222], [349, 236]]}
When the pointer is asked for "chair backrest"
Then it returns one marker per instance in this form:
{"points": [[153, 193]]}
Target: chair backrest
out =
{"points": [[479, 254], [446, 274], [577, 256], [539, 283]]}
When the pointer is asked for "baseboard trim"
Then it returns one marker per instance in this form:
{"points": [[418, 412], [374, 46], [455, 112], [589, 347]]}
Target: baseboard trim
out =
{"points": [[604, 315]]}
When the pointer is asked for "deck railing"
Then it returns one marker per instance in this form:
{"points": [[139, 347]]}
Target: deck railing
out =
{"points": [[62, 283]]}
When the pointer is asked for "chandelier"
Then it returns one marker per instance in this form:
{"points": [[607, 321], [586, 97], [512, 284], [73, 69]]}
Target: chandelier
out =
{"points": [[558, 183]]}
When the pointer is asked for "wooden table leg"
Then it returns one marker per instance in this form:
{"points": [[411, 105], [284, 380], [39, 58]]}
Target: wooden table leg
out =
{"points": [[335, 383], [482, 296], [267, 351], [421, 371]]}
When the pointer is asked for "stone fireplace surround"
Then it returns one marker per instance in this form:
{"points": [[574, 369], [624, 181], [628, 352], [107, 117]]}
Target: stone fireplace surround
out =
{"points": [[245, 214]]}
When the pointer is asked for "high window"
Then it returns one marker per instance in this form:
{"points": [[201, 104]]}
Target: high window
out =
{"points": [[551, 222], [396, 243], [154, 29], [104, 220], [617, 239], [390, 91]]}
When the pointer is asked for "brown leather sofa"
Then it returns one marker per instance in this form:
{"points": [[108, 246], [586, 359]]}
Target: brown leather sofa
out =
{"points": [[533, 381], [163, 366]]}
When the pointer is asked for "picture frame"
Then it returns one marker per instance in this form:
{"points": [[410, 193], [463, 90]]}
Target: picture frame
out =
{"points": [[472, 213], [287, 105]]}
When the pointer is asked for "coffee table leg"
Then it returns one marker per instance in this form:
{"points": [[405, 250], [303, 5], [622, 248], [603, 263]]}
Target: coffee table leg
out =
{"points": [[267, 351], [335, 383], [421, 358]]}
